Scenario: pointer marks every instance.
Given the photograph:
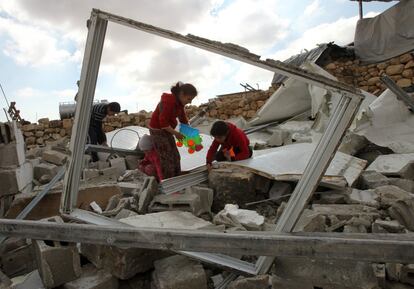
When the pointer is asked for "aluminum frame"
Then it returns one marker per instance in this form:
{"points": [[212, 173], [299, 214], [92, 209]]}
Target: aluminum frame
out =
{"points": [[340, 120]]}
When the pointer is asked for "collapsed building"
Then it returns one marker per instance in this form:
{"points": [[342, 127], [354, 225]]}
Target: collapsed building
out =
{"points": [[327, 201]]}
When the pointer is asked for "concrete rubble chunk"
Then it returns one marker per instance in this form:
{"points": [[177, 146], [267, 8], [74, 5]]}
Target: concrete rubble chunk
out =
{"points": [[404, 184], [30, 281], [197, 200], [326, 273], [12, 154], [232, 216], [278, 138], [407, 274], [395, 165], [310, 221], [366, 197], [93, 278], [125, 213], [403, 212], [45, 169], [168, 220], [372, 180], [119, 164], [332, 197], [257, 282], [54, 157], [16, 179], [279, 189], [17, 257], [147, 193], [389, 194], [345, 211], [383, 226], [178, 272], [58, 262]]}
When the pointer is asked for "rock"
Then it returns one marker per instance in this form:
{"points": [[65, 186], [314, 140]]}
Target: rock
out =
{"points": [[54, 157], [408, 73], [310, 221], [404, 82], [382, 226], [67, 123], [257, 282], [352, 229], [278, 138], [92, 278], [373, 80], [120, 164], [409, 65], [367, 197], [232, 215], [405, 58], [30, 281], [45, 169], [179, 272], [372, 180], [390, 194], [403, 212], [394, 69], [280, 189], [404, 184], [344, 212]]}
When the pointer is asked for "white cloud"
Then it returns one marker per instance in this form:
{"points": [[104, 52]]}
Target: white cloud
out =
{"points": [[312, 8]]}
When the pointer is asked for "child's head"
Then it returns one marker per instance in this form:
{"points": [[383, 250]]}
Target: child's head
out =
{"points": [[113, 108], [185, 92], [145, 143], [219, 131]]}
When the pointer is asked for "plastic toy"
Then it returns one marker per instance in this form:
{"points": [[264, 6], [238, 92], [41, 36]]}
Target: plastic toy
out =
{"points": [[192, 139]]}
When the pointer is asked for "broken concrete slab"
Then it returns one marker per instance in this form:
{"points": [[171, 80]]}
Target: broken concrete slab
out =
{"points": [[393, 165], [54, 157], [310, 221], [383, 226], [346, 211], [16, 179], [45, 169], [145, 196], [119, 164], [366, 197], [12, 154], [197, 200], [168, 220], [403, 212], [30, 281], [389, 194], [404, 184], [232, 216], [58, 262], [332, 197], [372, 180], [93, 278], [257, 282], [179, 272]]}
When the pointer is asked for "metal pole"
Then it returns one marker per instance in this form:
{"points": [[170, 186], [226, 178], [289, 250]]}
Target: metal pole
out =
{"points": [[361, 11]]}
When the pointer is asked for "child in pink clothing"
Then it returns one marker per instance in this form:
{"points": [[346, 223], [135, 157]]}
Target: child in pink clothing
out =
{"points": [[150, 165]]}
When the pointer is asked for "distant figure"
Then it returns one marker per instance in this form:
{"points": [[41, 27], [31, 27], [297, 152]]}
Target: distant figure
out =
{"points": [[96, 134], [233, 142], [150, 165], [163, 124]]}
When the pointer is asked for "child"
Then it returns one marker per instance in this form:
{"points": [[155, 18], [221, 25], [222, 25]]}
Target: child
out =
{"points": [[150, 165], [234, 144]]}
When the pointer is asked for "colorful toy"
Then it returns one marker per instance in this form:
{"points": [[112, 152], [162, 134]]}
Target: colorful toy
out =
{"points": [[192, 139]]}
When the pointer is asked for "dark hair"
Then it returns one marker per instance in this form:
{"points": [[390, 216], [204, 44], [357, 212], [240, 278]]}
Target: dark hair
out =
{"points": [[219, 128], [185, 88], [114, 106]]}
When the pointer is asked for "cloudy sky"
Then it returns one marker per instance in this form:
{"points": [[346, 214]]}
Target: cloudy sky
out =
{"points": [[42, 44]]}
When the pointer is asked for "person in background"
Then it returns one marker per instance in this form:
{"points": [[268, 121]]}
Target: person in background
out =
{"points": [[163, 123], [150, 165], [96, 135], [233, 142]]}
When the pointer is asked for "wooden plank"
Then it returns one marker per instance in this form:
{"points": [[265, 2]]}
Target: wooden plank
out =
{"points": [[363, 247]]}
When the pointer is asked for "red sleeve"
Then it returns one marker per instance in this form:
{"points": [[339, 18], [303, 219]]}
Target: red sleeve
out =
{"points": [[212, 151], [166, 111], [243, 145], [182, 117]]}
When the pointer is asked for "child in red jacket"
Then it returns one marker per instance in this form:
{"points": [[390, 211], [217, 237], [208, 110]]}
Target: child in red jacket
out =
{"points": [[233, 141], [150, 165]]}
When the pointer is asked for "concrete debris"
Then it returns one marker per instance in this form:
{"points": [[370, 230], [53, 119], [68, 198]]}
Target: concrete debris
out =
{"points": [[279, 189], [17, 257], [119, 164], [346, 211], [54, 157], [404, 184], [93, 278], [257, 282], [372, 179], [232, 216], [45, 169], [407, 274], [178, 272], [197, 200], [147, 193], [16, 180], [383, 226], [311, 221], [58, 263], [403, 212], [394, 165], [5, 282], [30, 281], [390, 194], [366, 197]]}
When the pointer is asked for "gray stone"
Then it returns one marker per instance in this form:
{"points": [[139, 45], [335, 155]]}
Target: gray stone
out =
{"points": [[382, 226], [403, 212], [58, 263], [372, 180], [125, 213], [354, 229], [257, 282], [179, 272], [30, 281], [366, 197], [236, 186], [390, 194], [132, 162], [310, 221], [331, 197], [279, 189], [278, 138], [54, 157], [343, 212], [197, 200], [45, 169], [404, 184], [92, 278], [326, 273], [147, 193], [119, 164]]}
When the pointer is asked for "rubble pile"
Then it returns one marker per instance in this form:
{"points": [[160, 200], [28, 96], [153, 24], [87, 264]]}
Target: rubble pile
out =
{"points": [[367, 76]]}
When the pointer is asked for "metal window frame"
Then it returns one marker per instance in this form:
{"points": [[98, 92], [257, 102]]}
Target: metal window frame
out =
{"points": [[340, 120]]}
